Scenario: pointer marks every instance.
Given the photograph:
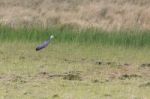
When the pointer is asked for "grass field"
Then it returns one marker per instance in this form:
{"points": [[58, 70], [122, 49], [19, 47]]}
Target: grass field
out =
{"points": [[100, 49], [105, 14], [69, 34], [78, 64]]}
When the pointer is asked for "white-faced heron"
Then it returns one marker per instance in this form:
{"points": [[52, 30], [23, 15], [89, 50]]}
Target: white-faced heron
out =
{"points": [[45, 44]]}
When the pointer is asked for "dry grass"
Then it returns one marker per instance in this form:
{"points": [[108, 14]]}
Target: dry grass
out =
{"points": [[106, 14]]}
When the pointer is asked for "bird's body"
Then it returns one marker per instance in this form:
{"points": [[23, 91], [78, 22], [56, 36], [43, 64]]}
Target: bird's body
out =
{"points": [[45, 44]]}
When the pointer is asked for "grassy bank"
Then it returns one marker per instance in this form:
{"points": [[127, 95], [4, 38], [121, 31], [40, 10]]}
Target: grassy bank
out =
{"points": [[68, 34]]}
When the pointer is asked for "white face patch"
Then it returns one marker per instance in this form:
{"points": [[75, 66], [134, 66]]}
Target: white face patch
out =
{"points": [[51, 36]]}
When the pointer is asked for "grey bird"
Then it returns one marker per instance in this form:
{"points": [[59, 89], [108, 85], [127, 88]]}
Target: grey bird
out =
{"points": [[45, 43]]}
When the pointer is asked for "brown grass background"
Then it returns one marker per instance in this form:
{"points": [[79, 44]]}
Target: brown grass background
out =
{"points": [[105, 14]]}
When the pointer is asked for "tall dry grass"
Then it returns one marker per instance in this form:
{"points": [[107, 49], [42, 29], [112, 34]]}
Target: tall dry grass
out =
{"points": [[105, 14]]}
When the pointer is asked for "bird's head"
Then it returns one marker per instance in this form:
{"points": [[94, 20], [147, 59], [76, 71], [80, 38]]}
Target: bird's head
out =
{"points": [[51, 37]]}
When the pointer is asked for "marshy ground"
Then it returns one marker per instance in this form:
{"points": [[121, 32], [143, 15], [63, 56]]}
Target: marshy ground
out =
{"points": [[68, 71]]}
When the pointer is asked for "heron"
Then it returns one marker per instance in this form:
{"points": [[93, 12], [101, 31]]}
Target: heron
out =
{"points": [[45, 43]]}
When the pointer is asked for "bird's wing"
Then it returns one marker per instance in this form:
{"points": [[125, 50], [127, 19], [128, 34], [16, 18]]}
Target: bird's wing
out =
{"points": [[45, 44]]}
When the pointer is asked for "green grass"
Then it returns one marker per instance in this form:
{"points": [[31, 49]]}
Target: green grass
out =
{"points": [[80, 63], [22, 72], [75, 35]]}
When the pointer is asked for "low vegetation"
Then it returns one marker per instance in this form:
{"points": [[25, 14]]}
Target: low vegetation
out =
{"points": [[69, 34], [69, 70]]}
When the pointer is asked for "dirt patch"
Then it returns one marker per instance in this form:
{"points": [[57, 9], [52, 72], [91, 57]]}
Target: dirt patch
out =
{"points": [[112, 63], [105, 63], [107, 95], [82, 60], [27, 93], [145, 65], [55, 96], [72, 75], [13, 78], [129, 76], [145, 85], [99, 63], [95, 81], [22, 57], [125, 64], [48, 75]]}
